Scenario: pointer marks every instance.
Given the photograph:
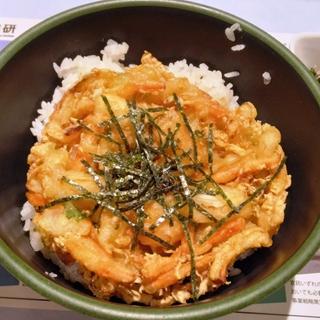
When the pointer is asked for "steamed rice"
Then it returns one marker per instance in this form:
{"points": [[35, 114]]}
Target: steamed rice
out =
{"points": [[266, 76], [232, 74], [72, 71], [238, 47], [51, 274], [230, 31]]}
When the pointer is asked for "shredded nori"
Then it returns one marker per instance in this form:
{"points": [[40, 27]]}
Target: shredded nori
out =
{"points": [[210, 148], [187, 124], [116, 123], [255, 194]]}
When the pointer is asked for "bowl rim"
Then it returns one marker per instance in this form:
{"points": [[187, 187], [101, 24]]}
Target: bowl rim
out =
{"points": [[107, 310]]}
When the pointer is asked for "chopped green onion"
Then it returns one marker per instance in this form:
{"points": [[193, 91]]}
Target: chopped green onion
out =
{"points": [[72, 212]]}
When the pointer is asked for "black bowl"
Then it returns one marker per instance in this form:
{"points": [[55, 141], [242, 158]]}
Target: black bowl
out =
{"points": [[171, 30]]}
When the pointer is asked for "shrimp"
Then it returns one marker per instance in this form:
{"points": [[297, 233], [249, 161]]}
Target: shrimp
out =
{"points": [[75, 237], [169, 274], [227, 252], [170, 233], [94, 258], [262, 145]]}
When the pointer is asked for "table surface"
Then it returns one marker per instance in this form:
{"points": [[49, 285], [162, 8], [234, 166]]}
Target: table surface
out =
{"points": [[274, 16]]}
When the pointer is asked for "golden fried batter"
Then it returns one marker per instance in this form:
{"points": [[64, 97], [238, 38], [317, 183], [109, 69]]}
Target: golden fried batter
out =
{"points": [[149, 189]]}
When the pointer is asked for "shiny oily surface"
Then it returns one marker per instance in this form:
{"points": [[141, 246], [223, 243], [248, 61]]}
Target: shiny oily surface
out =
{"points": [[26, 78]]}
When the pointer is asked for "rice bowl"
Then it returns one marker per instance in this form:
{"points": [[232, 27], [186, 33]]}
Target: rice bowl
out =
{"points": [[273, 266]]}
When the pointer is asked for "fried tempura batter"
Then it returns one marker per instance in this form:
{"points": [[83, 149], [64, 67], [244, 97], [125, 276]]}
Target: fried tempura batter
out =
{"points": [[149, 190]]}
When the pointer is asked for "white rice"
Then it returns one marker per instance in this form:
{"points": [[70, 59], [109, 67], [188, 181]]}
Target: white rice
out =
{"points": [[72, 71], [266, 76], [27, 213], [238, 47], [210, 81], [70, 271], [232, 74], [229, 32], [51, 274]]}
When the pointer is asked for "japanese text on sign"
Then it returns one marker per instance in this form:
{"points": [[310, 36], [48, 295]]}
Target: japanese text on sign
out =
{"points": [[7, 29]]}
